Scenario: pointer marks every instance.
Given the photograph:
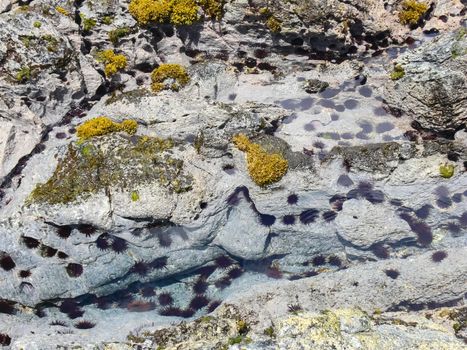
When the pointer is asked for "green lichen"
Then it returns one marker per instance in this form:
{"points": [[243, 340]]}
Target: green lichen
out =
{"points": [[398, 72], [214, 9], [112, 161], [134, 196], [270, 20], [242, 327], [87, 23], [27, 40], [24, 74], [62, 11], [52, 42], [269, 332], [107, 20], [118, 33], [235, 340], [446, 170], [37, 24], [459, 48]]}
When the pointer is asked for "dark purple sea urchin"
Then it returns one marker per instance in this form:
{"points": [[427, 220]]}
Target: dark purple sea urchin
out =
{"points": [[119, 245], [223, 261], [439, 256], [74, 270], [198, 302], [391, 273], [292, 199], [159, 263], [141, 268], [7, 263], [165, 299], [200, 286], [84, 325]]}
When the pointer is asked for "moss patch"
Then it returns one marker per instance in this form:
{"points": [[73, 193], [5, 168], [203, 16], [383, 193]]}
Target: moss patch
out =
{"points": [[116, 34], [112, 161]]}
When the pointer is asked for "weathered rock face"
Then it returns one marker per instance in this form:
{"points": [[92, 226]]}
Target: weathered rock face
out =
{"points": [[433, 89], [120, 233]]}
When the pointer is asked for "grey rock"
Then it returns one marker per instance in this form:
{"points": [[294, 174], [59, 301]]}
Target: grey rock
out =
{"points": [[432, 91], [314, 86], [380, 224]]}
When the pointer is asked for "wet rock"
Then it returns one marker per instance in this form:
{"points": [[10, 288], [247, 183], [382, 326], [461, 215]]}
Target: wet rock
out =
{"points": [[380, 224]]}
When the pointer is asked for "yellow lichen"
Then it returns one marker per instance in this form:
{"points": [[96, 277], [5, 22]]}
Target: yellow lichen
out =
{"points": [[446, 170], [398, 72], [184, 12], [412, 11], [169, 76], [62, 10], [274, 24], [102, 125], [177, 12], [264, 168], [113, 62]]}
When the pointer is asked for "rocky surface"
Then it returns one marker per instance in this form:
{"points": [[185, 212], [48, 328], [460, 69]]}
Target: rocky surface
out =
{"points": [[432, 90], [108, 241]]}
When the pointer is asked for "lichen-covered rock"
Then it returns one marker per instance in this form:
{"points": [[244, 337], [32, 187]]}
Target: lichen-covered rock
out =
{"points": [[433, 89], [330, 329], [124, 211]]}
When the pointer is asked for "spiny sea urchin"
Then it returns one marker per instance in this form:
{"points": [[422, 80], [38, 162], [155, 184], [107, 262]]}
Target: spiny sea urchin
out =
{"points": [[159, 263], [198, 302], [439, 256], [141, 268], [119, 245], [165, 299], [223, 261], [84, 325], [309, 216]]}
